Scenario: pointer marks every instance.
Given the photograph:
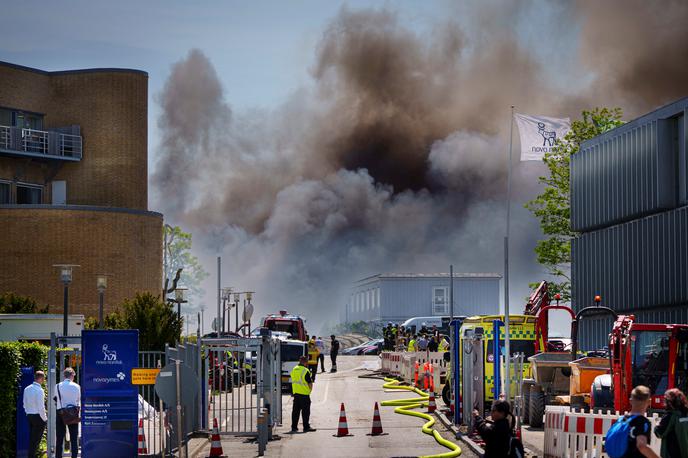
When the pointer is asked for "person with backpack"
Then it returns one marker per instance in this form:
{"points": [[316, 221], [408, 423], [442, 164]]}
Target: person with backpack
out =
{"points": [[498, 433], [673, 427], [629, 436]]}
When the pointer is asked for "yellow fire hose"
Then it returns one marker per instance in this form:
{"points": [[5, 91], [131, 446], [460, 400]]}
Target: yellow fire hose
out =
{"points": [[404, 408]]}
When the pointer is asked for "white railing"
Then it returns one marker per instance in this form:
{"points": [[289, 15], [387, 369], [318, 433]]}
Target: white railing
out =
{"points": [[49, 143]]}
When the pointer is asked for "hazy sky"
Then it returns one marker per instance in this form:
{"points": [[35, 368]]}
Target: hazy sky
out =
{"points": [[261, 50]]}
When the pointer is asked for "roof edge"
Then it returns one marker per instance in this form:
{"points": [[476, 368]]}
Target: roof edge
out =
{"points": [[71, 72]]}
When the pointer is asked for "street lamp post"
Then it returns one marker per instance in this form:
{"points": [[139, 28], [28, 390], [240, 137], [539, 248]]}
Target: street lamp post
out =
{"points": [[237, 297], [101, 284], [180, 298], [66, 279], [226, 297]]}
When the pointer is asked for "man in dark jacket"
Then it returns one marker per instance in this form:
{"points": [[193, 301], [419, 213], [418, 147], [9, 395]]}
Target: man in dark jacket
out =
{"points": [[497, 432], [334, 351]]}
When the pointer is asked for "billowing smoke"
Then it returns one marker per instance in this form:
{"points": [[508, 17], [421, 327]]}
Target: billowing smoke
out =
{"points": [[394, 158]]}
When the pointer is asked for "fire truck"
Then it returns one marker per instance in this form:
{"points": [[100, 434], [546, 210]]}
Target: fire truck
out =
{"points": [[654, 355], [284, 322]]}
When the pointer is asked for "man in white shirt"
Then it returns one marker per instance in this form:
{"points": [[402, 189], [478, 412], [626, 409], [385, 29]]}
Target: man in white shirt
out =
{"points": [[320, 345], [67, 394], [34, 406]]}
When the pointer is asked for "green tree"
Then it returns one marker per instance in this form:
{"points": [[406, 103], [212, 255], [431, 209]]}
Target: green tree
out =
{"points": [[177, 255], [553, 208], [156, 321], [13, 303]]}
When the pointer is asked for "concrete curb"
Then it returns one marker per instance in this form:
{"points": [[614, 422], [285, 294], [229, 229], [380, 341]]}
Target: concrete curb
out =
{"points": [[477, 449], [196, 446]]}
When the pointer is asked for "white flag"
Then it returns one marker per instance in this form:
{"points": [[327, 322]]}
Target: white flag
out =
{"points": [[539, 134]]}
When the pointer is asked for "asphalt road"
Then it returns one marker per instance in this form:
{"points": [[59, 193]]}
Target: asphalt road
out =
{"points": [[403, 436]]}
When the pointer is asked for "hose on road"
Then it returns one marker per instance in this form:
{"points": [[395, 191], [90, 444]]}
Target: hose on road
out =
{"points": [[404, 407]]}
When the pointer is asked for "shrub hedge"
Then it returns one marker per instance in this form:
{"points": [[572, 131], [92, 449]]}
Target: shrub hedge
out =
{"points": [[14, 356]]}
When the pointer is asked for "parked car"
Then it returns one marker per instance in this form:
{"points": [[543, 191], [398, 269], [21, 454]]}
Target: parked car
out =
{"points": [[375, 348], [356, 349]]}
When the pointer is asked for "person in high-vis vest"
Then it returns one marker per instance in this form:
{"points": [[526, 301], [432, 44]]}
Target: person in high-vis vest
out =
{"points": [[301, 387], [444, 344], [313, 354], [412, 344]]}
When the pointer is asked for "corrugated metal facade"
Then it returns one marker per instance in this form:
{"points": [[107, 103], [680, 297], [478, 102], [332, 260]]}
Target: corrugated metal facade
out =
{"points": [[397, 297], [632, 171], [639, 264], [629, 194], [594, 332]]}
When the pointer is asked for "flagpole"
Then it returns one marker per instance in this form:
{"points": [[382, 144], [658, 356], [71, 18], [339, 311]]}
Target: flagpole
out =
{"points": [[507, 343]]}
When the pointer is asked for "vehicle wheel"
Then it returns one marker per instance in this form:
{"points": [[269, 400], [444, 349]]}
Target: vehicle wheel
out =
{"points": [[536, 406], [446, 394], [525, 389]]}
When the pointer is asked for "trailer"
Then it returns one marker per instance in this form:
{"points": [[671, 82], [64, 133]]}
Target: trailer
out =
{"points": [[36, 327]]}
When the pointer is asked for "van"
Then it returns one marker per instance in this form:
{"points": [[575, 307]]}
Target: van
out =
{"points": [[290, 352], [416, 323]]}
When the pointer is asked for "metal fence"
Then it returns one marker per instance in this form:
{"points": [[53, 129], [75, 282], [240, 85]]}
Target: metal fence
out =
{"points": [[49, 143], [151, 407]]}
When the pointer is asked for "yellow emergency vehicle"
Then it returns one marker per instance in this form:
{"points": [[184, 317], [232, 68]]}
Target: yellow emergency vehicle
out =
{"points": [[522, 340]]}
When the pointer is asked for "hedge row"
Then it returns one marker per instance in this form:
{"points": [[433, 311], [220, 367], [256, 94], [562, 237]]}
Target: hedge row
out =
{"points": [[14, 356]]}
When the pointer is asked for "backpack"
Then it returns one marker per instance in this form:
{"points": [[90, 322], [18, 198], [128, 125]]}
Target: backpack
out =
{"points": [[516, 449], [681, 428], [616, 439]]}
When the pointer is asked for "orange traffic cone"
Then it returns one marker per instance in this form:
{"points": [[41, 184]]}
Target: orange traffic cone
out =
{"points": [[216, 445], [377, 423], [143, 449], [343, 428], [432, 406]]}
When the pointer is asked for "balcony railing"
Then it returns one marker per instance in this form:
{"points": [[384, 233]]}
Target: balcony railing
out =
{"points": [[31, 142]]}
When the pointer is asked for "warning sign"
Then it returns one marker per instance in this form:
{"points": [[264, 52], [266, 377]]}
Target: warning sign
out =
{"points": [[143, 376]]}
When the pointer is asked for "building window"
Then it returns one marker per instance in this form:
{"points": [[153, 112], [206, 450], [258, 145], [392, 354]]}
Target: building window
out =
{"points": [[5, 192], [440, 300], [29, 194]]}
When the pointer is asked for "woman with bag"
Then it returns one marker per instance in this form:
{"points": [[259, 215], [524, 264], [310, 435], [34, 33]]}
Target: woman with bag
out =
{"points": [[673, 427], [68, 399]]}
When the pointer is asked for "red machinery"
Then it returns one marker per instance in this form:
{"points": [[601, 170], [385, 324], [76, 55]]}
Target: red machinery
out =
{"points": [[654, 355], [549, 364], [539, 305], [291, 324]]}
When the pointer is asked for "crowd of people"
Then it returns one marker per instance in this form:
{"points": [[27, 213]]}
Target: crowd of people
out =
{"points": [[398, 338], [631, 438]]}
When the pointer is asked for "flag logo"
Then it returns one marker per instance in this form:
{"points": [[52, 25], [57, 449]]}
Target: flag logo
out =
{"points": [[539, 134]]}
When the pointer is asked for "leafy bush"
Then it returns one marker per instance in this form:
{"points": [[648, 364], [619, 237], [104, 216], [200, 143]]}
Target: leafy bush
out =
{"points": [[156, 321], [14, 356], [13, 303]]}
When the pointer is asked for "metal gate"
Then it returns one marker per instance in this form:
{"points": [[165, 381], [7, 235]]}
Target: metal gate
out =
{"points": [[64, 352], [243, 380]]}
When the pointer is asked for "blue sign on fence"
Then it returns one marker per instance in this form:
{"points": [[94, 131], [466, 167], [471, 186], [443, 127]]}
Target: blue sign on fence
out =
{"points": [[109, 402]]}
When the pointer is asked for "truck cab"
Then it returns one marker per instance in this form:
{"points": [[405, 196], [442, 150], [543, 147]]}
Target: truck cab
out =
{"points": [[284, 322]]}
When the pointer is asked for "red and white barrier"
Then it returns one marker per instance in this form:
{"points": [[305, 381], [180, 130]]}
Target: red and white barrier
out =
{"points": [[570, 434]]}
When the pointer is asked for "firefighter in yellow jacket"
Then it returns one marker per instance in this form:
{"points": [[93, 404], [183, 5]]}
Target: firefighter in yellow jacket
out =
{"points": [[313, 354]]}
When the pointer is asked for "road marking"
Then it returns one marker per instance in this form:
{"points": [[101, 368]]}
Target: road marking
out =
{"points": [[327, 390]]}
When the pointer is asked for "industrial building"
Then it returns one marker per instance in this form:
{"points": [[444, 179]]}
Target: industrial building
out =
{"points": [[629, 203], [74, 186], [397, 297]]}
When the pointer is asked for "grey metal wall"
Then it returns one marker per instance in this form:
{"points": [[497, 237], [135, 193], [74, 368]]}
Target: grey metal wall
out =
{"points": [[639, 264], [594, 333], [364, 301], [632, 171], [404, 298]]}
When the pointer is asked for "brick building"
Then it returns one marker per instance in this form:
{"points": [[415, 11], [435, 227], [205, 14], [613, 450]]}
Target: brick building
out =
{"points": [[74, 185]]}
